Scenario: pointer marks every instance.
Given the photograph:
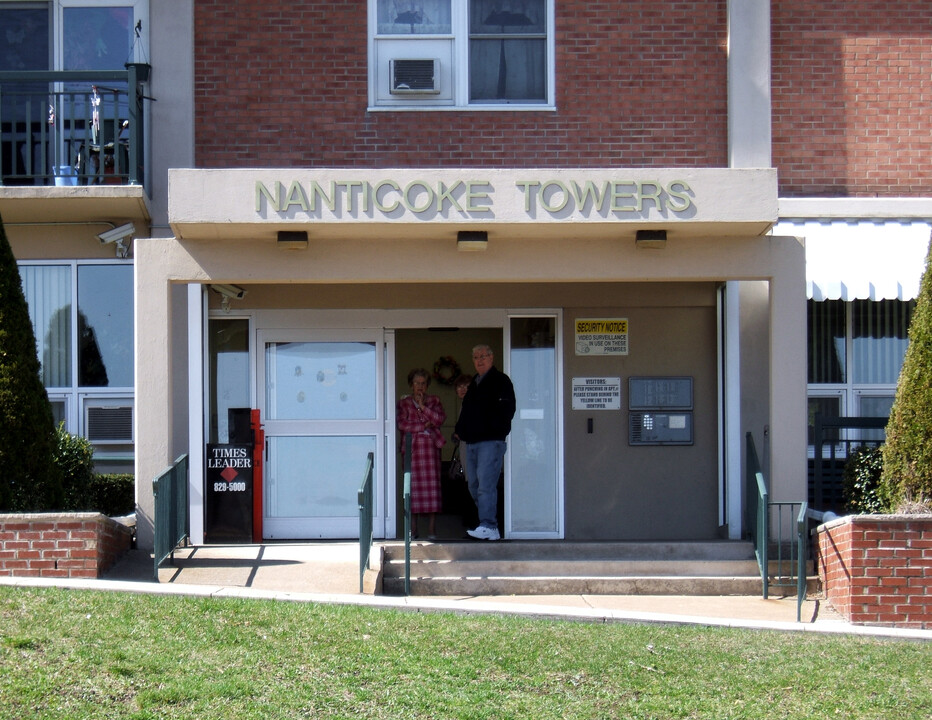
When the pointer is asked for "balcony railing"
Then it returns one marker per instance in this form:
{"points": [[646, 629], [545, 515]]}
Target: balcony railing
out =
{"points": [[72, 127]]}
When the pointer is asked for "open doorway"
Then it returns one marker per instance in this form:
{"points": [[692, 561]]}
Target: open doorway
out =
{"points": [[444, 353]]}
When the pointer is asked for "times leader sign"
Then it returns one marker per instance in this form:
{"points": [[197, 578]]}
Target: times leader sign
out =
{"points": [[229, 493]]}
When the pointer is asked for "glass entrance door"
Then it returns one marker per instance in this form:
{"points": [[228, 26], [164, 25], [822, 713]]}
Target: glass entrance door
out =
{"points": [[535, 491], [323, 414]]}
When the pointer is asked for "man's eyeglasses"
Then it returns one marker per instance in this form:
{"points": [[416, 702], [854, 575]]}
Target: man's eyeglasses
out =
{"points": [[479, 357]]}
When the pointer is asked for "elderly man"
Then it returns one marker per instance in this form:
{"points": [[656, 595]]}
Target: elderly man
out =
{"points": [[484, 423]]}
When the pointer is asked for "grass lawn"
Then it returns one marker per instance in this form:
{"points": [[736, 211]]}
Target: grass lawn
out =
{"points": [[87, 654]]}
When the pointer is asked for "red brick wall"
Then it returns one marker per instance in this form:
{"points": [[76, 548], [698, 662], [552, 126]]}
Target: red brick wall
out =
{"points": [[79, 545], [852, 93], [877, 569], [284, 84]]}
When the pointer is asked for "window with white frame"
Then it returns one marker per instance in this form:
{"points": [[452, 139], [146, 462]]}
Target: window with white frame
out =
{"points": [[82, 316], [71, 34], [461, 53], [855, 352]]}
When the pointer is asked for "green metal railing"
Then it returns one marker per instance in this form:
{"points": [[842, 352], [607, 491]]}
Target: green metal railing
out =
{"points": [[365, 521], [802, 540], [757, 516], [72, 127], [782, 559], [171, 521], [785, 553], [407, 512]]}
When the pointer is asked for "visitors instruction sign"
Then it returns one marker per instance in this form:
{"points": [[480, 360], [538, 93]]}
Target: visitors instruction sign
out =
{"points": [[602, 336], [597, 393]]}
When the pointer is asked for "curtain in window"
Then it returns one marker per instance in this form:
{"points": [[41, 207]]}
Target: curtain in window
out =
{"points": [[507, 50], [414, 17], [48, 293], [826, 341], [879, 339]]}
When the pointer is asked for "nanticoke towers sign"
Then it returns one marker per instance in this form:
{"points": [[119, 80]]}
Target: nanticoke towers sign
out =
{"points": [[472, 197], [237, 202]]}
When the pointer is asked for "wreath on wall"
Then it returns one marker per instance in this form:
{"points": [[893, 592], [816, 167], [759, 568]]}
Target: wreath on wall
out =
{"points": [[446, 370]]}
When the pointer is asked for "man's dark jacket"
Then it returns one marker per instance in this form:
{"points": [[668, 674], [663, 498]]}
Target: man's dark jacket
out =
{"points": [[488, 408]]}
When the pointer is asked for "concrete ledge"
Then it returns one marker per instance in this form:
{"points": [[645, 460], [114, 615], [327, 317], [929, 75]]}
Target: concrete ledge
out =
{"points": [[60, 545]]}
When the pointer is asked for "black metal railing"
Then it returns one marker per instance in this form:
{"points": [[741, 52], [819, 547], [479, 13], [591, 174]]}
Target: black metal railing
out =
{"points": [[366, 511], [72, 127], [171, 519], [832, 445]]}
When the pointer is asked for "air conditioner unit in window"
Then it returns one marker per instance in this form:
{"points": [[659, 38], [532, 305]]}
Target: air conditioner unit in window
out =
{"points": [[415, 76], [108, 423]]}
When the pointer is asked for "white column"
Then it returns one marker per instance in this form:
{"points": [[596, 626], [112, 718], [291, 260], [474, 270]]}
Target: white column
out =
{"points": [[196, 414], [788, 440], [732, 404], [153, 369], [749, 132]]}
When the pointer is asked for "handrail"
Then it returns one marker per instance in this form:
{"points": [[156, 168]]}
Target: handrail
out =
{"points": [[171, 520], [757, 515], [803, 534], [55, 129], [365, 497], [783, 516], [407, 511], [802, 551]]}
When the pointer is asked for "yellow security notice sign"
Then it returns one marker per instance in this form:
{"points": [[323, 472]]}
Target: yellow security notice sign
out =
{"points": [[602, 336]]}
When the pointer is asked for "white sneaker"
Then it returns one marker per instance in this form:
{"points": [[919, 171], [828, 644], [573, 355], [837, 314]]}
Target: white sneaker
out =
{"points": [[484, 533]]}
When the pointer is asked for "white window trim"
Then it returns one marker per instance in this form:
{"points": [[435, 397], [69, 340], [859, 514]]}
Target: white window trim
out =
{"points": [[140, 12], [76, 396], [460, 100]]}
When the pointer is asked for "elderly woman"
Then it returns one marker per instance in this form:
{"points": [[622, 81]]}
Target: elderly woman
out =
{"points": [[422, 415]]}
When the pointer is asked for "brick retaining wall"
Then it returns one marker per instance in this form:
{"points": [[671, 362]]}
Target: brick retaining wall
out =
{"points": [[877, 569], [60, 545]]}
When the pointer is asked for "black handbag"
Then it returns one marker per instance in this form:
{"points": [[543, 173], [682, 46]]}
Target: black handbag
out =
{"points": [[457, 471]]}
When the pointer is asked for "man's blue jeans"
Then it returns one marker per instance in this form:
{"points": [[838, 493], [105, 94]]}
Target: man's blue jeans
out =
{"points": [[483, 468]]}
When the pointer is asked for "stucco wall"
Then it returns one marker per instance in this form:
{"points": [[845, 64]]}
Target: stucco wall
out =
{"points": [[617, 491]]}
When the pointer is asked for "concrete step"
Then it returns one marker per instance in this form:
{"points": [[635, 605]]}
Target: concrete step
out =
{"points": [[575, 568], [568, 550], [439, 586], [571, 568]]}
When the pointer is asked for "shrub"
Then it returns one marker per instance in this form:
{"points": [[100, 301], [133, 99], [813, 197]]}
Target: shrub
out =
{"points": [[86, 491], [74, 456], [29, 478], [860, 481], [907, 454], [114, 494]]}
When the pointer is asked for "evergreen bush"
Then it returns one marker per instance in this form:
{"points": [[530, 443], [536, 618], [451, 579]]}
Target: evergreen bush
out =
{"points": [[860, 481], [29, 478], [907, 453], [74, 456], [114, 494]]}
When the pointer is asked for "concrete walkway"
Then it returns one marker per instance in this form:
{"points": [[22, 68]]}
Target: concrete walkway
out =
{"points": [[328, 572]]}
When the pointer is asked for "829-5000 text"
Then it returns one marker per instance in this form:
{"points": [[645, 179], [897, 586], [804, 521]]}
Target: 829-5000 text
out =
{"points": [[230, 487]]}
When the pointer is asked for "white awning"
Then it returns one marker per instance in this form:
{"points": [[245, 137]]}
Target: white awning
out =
{"points": [[862, 260]]}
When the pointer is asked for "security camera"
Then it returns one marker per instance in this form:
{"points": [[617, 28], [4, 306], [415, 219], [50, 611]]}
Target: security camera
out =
{"points": [[117, 234], [230, 291]]}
